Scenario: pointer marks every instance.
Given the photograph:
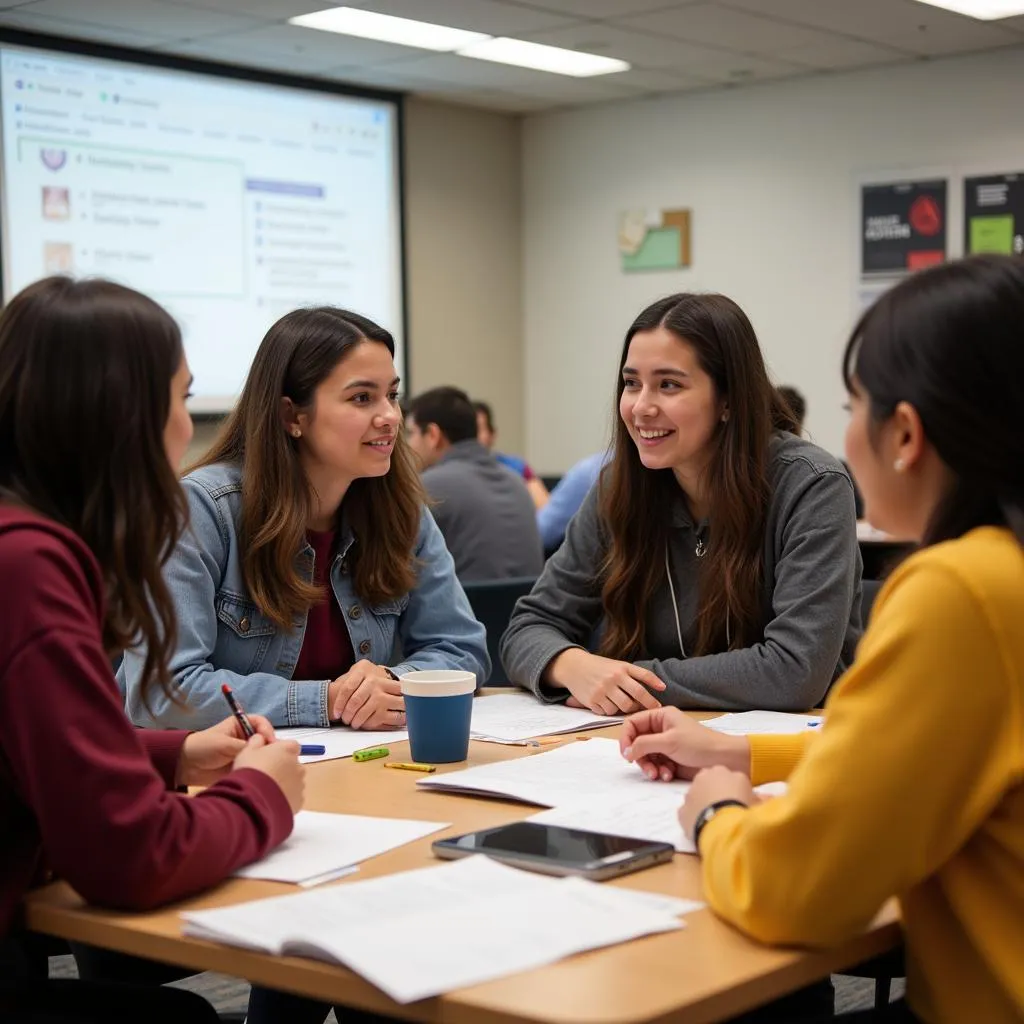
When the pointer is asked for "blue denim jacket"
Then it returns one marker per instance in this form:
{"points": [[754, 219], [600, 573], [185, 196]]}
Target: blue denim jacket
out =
{"points": [[224, 638]]}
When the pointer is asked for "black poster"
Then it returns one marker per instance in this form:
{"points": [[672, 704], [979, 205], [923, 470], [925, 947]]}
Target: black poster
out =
{"points": [[994, 214], [903, 226]]}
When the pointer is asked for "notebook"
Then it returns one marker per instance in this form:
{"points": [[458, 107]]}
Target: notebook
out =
{"points": [[425, 932]]}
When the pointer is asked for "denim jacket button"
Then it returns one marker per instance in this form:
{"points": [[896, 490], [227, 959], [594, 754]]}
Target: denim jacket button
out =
{"points": [[243, 624], [355, 612], [364, 647]]}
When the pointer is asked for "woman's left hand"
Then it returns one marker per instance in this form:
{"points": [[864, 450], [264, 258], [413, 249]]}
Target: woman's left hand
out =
{"points": [[708, 787], [208, 755]]}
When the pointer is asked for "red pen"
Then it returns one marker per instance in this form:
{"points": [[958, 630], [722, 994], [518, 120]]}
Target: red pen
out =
{"points": [[236, 710]]}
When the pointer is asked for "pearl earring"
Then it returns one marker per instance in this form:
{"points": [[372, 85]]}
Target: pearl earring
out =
{"points": [[899, 465], [296, 432]]}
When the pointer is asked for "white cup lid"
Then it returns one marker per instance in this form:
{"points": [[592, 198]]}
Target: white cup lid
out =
{"points": [[438, 683]]}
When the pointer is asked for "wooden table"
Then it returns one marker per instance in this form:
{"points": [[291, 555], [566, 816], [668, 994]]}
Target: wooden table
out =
{"points": [[704, 972]]}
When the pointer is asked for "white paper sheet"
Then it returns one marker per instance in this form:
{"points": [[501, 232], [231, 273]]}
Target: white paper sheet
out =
{"points": [[441, 932], [751, 723], [322, 846], [520, 716], [651, 814], [553, 778], [340, 741]]}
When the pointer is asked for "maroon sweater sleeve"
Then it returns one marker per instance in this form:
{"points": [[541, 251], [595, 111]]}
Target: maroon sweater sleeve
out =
{"points": [[107, 821], [164, 749]]}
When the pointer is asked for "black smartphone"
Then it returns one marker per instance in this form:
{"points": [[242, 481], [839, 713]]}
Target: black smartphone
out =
{"points": [[554, 850]]}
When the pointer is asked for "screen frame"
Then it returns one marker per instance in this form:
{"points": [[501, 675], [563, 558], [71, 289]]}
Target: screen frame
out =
{"points": [[244, 73]]}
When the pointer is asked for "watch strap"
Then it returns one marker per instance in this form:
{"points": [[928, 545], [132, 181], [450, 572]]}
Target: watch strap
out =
{"points": [[708, 813]]}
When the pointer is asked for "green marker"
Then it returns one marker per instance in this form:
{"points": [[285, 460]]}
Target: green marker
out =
{"points": [[370, 754]]}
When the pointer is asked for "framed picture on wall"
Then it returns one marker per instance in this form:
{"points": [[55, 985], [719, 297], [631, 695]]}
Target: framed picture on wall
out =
{"points": [[903, 226], [994, 214]]}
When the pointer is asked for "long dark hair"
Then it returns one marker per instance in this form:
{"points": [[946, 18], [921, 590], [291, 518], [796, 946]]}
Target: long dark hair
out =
{"points": [[950, 342], [298, 353], [634, 501], [85, 391]]}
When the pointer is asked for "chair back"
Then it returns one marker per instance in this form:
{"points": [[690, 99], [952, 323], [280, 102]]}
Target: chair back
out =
{"points": [[869, 591], [492, 602]]}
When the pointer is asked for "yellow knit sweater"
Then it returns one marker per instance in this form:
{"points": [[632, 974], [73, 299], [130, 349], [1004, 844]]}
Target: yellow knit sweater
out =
{"points": [[914, 788]]}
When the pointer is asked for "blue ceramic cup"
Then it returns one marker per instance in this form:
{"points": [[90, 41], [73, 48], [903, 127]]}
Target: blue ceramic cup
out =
{"points": [[438, 709]]}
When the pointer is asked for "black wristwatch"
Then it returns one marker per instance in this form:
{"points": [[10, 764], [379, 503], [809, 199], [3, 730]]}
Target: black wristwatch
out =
{"points": [[708, 813]]}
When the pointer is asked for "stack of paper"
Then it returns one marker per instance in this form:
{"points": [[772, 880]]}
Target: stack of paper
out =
{"points": [[511, 717], [323, 847], [653, 816], [751, 723], [441, 929], [588, 786], [558, 777], [340, 741]]}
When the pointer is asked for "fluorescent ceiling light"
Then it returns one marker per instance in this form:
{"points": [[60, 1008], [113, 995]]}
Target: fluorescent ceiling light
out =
{"points": [[983, 10], [543, 58], [348, 21]]}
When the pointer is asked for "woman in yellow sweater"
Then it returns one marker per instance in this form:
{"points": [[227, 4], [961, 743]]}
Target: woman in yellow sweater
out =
{"points": [[914, 788]]}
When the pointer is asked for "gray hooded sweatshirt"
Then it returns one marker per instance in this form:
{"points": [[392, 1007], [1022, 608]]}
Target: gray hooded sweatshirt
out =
{"points": [[810, 598]]}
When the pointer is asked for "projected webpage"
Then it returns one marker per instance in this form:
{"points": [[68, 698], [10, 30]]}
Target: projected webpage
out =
{"points": [[228, 202]]}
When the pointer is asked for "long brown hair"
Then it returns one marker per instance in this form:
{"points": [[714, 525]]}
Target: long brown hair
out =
{"points": [[299, 352], [85, 391], [635, 502]]}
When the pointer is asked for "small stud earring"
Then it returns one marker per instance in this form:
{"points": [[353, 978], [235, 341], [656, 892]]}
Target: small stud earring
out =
{"points": [[296, 432], [899, 465]]}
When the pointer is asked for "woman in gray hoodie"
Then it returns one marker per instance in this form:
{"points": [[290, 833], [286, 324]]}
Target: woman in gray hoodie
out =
{"points": [[715, 562]]}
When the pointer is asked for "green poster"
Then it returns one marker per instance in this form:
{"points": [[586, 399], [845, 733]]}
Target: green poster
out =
{"points": [[992, 234]]}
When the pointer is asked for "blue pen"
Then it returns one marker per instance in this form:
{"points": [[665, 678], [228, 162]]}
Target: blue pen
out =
{"points": [[311, 749]]}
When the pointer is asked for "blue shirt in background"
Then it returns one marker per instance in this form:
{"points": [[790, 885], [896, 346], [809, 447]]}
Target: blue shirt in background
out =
{"points": [[567, 497]]}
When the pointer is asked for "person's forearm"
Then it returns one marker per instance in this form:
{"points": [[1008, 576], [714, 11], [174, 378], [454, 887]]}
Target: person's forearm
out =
{"points": [[732, 752], [560, 669]]}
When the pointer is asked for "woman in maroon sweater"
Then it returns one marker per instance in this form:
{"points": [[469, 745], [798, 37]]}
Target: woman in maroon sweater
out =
{"points": [[93, 422]]}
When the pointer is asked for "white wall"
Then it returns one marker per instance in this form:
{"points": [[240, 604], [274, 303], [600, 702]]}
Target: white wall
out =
{"points": [[771, 174], [463, 259]]}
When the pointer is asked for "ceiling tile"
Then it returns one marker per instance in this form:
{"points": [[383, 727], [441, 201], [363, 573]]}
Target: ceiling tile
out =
{"points": [[450, 69], [711, 25], [839, 52], [903, 24], [28, 22], [602, 8], [268, 10], [494, 17], [1013, 24], [563, 89], [303, 49], [144, 17], [641, 49], [647, 80]]}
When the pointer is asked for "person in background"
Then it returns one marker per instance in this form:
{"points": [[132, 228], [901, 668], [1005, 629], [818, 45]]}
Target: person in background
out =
{"points": [[796, 404], [93, 423], [718, 556], [487, 433], [481, 507], [312, 576], [566, 498], [913, 788]]}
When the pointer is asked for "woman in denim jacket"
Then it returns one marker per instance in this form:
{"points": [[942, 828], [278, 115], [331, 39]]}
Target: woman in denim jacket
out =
{"points": [[312, 576]]}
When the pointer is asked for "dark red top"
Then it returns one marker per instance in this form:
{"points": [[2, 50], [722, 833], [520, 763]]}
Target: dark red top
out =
{"points": [[82, 792], [326, 646]]}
